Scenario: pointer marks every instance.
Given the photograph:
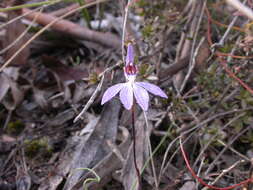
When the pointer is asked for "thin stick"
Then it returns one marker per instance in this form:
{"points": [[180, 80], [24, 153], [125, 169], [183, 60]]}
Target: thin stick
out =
{"points": [[124, 30], [194, 53], [91, 100], [95, 93], [225, 171], [134, 149]]}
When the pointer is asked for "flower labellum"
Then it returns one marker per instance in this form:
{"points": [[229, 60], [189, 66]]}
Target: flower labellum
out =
{"points": [[131, 89]]}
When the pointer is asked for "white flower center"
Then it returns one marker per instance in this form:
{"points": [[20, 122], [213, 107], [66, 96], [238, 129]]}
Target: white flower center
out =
{"points": [[131, 78]]}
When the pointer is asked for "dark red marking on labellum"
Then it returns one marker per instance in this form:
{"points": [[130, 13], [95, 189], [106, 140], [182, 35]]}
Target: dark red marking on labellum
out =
{"points": [[131, 70]]}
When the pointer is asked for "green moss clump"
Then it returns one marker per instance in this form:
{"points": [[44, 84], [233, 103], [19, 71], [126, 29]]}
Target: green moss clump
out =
{"points": [[147, 31], [38, 147], [15, 128]]}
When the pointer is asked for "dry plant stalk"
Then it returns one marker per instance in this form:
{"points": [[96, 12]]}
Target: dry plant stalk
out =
{"points": [[74, 30]]}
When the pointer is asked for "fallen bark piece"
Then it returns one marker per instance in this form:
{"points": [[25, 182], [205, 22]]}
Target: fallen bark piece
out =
{"points": [[92, 150], [67, 27], [63, 168], [129, 175], [108, 165]]}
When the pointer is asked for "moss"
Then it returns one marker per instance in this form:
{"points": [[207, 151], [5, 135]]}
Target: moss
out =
{"points": [[38, 147], [147, 31], [226, 48], [15, 128], [142, 3], [245, 97]]}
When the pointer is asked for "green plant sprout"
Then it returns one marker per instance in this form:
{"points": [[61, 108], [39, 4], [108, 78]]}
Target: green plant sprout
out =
{"points": [[88, 180], [85, 13]]}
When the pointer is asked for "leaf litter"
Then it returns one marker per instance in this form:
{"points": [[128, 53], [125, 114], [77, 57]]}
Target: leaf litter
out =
{"points": [[48, 83]]}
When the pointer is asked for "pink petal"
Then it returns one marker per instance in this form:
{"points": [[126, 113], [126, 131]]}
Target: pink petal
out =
{"points": [[111, 92], [152, 89], [141, 96], [126, 96]]}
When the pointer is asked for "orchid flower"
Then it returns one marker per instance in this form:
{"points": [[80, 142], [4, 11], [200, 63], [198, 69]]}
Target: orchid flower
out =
{"points": [[130, 89]]}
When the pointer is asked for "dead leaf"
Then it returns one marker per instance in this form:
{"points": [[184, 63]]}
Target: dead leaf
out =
{"points": [[12, 72], [61, 118], [78, 93], [16, 95], [109, 164], [39, 96], [4, 86], [93, 149], [65, 159], [24, 182], [65, 73], [13, 31], [86, 150]]}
